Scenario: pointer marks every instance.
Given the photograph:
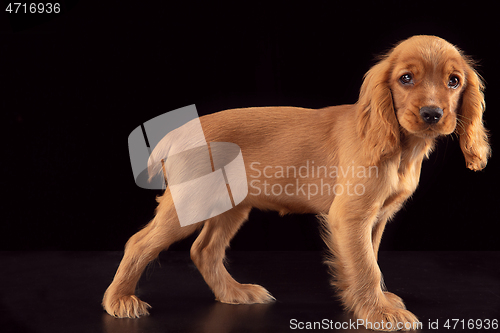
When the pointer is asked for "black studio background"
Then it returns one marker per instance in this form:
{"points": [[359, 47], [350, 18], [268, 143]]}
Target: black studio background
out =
{"points": [[74, 85]]}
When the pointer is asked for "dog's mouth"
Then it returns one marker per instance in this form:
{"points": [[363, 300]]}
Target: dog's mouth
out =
{"points": [[425, 131], [430, 131], [427, 134], [413, 123], [433, 131]]}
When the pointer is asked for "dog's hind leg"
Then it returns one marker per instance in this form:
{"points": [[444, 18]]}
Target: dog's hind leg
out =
{"points": [[164, 230], [208, 253]]}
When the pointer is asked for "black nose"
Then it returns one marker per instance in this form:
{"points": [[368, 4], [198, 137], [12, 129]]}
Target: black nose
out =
{"points": [[431, 114]]}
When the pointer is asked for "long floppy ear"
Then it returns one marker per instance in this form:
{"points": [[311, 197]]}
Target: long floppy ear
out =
{"points": [[473, 135], [377, 125]]}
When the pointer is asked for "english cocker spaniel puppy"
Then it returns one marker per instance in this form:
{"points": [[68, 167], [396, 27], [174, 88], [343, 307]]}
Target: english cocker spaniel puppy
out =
{"points": [[353, 165]]}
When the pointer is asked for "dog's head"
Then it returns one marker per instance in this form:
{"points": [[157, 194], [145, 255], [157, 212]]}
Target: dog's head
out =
{"points": [[424, 87]]}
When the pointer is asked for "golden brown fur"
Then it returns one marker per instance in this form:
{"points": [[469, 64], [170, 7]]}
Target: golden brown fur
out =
{"points": [[384, 129]]}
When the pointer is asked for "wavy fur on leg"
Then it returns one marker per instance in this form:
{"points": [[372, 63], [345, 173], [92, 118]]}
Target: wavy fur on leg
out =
{"points": [[126, 307]]}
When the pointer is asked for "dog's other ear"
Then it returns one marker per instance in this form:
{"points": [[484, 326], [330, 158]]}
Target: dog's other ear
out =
{"points": [[473, 135], [377, 125]]}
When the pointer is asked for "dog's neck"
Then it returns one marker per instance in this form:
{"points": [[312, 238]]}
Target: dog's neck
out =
{"points": [[415, 149]]}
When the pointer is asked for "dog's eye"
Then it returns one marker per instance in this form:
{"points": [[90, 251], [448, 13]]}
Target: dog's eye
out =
{"points": [[406, 79], [454, 82]]}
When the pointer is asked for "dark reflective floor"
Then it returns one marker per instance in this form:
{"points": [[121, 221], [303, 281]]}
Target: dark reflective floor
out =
{"points": [[61, 292]]}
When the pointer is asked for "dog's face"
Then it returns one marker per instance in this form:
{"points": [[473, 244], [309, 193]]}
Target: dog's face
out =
{"points": [[427, 81]]}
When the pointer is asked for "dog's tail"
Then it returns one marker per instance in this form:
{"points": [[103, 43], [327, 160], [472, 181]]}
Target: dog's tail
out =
{"points": [[176, 154]]}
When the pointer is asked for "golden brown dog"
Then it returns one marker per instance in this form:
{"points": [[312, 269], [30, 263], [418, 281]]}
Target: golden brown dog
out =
{"points": [[359, 164]]}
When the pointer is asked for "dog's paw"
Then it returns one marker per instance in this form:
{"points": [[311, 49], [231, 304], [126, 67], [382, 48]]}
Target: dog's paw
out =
{"points": [[394, 300], [388, 318], [129, 306], [245, 294]]}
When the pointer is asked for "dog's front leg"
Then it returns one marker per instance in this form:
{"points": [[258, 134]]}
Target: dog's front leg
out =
{"points": [[355, 271]]}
